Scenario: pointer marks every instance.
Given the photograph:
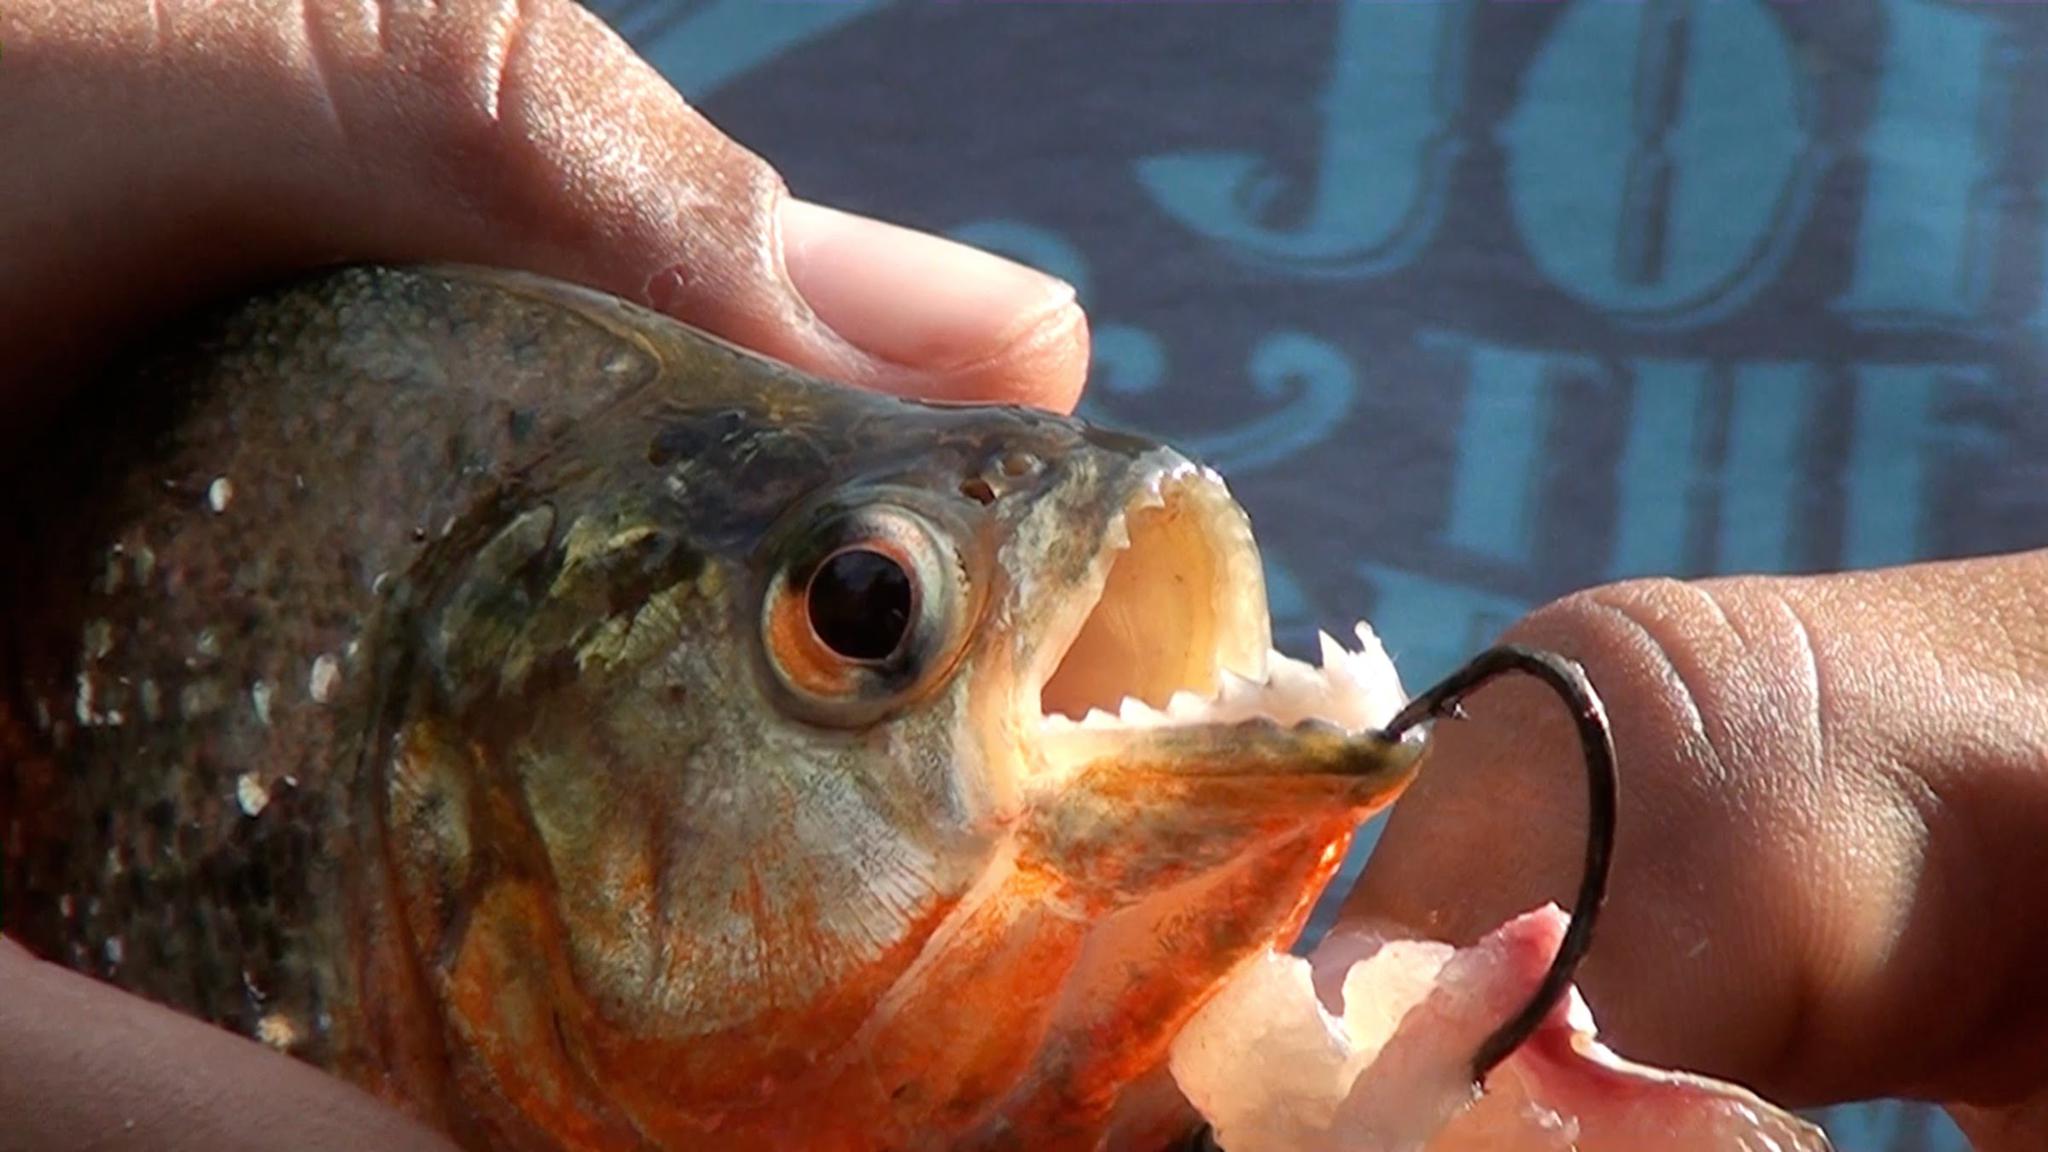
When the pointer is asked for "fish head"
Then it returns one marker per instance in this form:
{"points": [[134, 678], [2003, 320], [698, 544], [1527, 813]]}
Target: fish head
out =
{"points": [[776, 763]]}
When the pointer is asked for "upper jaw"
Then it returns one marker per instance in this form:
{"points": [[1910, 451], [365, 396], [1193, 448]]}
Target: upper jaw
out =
{"points": [[1164, 652]]}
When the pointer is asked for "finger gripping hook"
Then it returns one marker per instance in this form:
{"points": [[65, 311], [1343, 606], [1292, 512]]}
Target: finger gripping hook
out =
{"points": [[1596, 738]]}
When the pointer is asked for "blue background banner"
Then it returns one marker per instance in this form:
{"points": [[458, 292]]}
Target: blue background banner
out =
{"points": [[1478, 302]]}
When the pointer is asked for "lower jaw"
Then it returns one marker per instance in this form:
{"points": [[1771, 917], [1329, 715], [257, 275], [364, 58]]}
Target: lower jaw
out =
{"points": [[1186, 942], [1095, 992]]}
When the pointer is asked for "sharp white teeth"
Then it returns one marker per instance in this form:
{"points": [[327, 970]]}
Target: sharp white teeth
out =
{"points": [[1369, 646], [1119, 536], [1288, 675], [1235, 689], [1351, 690], [1332, 652]]}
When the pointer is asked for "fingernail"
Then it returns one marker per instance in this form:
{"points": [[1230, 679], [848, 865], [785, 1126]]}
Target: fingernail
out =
{"points": [[910, 297]]}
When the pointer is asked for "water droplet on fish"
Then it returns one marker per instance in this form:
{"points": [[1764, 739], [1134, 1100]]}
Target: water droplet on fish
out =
{"points": [[325, 679], [67, 905], [82, 706], [207, 645], [251, 795], [219, 493], [113, 951], [259, 696], [278, 1031], [99, 639], [1017, 464], [145, 564]]}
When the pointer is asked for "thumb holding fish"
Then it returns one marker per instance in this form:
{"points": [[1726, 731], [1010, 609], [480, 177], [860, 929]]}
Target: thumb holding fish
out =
{"points": [[162, 153], [1834, 825]]}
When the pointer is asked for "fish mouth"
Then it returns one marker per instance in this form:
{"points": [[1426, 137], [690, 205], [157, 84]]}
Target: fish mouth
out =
{"points": [[1165, 658]]}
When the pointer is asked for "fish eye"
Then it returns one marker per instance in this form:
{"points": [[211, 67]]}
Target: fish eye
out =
{"points": [[863, 612], [860, 602]]}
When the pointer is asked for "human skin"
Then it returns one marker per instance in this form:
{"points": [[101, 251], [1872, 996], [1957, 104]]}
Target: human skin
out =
{"points": [[1831, 881], [1834, 818], [160, 151]]}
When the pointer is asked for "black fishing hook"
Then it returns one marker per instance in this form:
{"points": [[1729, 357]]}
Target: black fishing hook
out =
{"points": [[1603, 797]]}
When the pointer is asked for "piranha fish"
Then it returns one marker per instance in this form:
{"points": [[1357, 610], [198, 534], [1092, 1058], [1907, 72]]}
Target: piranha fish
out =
{"points": [[587, 735]]}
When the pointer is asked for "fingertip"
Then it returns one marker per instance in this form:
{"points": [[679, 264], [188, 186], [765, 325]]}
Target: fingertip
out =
{"points": [[1044, 366], [936, 318], [1056, 368]]}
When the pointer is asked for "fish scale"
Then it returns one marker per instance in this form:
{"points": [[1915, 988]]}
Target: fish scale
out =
{"points": [[232, 570]]}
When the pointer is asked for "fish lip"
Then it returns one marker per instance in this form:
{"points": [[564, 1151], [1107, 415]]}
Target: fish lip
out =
{"points": [[1256, 700]]}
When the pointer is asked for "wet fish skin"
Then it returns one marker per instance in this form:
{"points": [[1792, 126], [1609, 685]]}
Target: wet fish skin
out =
{"points": [[191, 570], [385, 683]]}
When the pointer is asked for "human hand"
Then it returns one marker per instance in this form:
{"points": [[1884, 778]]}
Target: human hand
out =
{"points": [[162, 153], [158, 153], [1829, 881]]}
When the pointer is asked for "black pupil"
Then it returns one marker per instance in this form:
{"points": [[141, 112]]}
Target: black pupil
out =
{"points": [[860, 604]]}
